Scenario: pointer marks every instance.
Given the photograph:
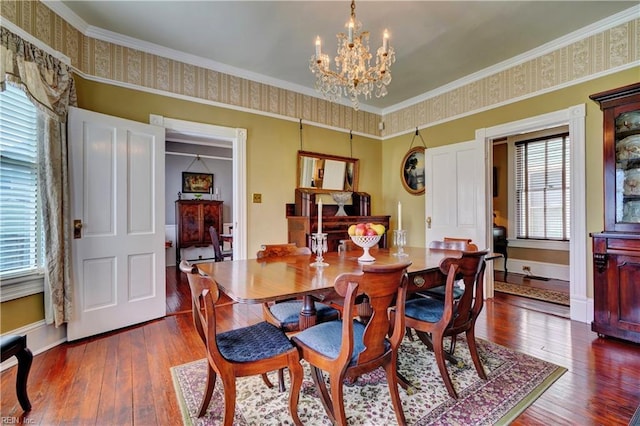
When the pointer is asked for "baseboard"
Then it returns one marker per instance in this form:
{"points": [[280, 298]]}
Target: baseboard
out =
{"points": [[540, 269], [40, 338]]}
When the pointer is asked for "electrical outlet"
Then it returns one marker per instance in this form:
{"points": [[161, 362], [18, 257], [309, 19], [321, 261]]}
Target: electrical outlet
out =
{"points": [[526, 269], [257, 198]]}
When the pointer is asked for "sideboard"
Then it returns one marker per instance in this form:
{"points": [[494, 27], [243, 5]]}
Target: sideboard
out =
{"points": [[303, 218]]}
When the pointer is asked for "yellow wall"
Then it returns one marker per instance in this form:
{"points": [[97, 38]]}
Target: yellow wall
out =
{"points": [[272, 146], [463, 129]]}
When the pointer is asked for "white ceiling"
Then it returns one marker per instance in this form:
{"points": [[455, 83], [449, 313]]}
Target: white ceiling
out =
{"points": [[436, 42]]}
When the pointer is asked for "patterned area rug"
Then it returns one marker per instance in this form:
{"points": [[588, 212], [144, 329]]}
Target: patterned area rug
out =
{"points": [[515, 381], [533, 293]]}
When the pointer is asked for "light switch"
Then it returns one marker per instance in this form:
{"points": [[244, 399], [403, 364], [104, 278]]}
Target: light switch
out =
{"points": [[257, 198]]}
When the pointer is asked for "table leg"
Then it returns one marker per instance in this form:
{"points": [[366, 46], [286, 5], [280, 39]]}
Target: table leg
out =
{"points": [[308, 316]]}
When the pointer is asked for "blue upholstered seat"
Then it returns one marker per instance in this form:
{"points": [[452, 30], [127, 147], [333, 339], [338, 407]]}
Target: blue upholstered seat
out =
{"points": [[289, 312], [326, 339], [424, 309], [248, 343], [458, 291]]}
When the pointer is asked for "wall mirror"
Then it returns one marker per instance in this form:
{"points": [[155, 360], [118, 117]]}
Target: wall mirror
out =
{"points": [[327, 173]]}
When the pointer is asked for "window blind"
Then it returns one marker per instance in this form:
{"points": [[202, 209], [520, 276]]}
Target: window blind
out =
{"points": [[543, 193], [20, 235]]}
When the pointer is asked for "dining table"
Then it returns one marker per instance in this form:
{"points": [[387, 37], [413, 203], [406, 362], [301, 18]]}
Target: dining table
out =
{"points": [[287, 277]]}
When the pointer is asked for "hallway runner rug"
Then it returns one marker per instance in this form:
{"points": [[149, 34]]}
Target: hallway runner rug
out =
{"points": [[515, 381], [551, 296]]}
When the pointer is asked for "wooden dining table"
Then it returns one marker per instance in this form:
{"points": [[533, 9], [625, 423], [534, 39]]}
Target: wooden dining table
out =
{"points": [[286, 277]]}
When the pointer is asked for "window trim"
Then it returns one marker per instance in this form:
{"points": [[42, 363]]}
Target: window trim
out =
{"points": [[512, 238], [22, 286]]}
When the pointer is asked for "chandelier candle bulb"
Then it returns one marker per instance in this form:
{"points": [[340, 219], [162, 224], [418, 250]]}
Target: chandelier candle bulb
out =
{"points": [[385, 41], [351, 25], [318, 48]]}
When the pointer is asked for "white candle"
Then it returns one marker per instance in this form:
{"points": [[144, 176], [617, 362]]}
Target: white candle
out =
{"points": [[351, 25], [385, 41], [399, 215], [318, 47], [320, 216]]}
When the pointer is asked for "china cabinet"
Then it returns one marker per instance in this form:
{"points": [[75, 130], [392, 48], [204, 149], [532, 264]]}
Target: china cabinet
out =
{"points": [[616, 250], [193, 219]]}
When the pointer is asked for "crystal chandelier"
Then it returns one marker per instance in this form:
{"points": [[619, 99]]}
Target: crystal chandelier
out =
{"points": [[353, 76]]}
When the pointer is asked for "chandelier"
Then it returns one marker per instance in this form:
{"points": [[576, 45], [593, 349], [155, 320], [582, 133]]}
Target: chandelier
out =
{"points": [[353, 76]]}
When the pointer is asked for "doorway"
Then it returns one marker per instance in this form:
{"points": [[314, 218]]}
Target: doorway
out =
{"points": [[211, 135], [574, 118]]}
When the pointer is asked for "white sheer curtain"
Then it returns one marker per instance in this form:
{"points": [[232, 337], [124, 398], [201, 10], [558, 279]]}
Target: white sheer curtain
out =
{"points": [[49, 84]]}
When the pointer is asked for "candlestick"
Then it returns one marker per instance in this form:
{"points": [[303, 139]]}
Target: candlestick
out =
{"points": [[399, 215], [320, 216], [319, 247], [400, 241]]}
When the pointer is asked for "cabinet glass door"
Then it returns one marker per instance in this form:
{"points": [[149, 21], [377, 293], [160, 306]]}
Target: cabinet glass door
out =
{"points": [[627, 182]]}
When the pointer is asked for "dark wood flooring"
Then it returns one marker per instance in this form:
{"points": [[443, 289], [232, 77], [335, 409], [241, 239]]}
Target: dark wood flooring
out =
{"points": [[123, 377]]}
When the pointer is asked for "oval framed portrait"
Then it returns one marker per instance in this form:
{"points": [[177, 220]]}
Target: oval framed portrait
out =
{"points": [[412, 171]]}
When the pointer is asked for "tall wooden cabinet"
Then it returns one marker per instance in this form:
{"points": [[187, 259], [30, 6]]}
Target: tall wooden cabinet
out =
{"points": [[193, 219], [616, 250]]}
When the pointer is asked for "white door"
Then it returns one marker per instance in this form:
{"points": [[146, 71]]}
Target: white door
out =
{"points": [[455, 192], [117, 190]]}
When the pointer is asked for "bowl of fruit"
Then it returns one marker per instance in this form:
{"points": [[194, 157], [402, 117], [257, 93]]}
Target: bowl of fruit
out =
{"points": [[366, 235]]}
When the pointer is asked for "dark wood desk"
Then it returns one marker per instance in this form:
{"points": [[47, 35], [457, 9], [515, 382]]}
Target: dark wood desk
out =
{"points": [[263, 280]]}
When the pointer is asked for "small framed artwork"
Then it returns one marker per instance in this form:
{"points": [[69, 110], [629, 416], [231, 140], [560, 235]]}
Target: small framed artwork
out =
{"points": [[412, 171], [197, 182]]}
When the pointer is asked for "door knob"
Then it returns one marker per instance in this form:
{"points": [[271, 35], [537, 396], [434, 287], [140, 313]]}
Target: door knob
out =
{"points": [[77, 229], [429, 222]]}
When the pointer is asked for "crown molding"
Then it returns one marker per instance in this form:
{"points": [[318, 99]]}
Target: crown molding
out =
{"points": [[585, 32], [133, 43]]}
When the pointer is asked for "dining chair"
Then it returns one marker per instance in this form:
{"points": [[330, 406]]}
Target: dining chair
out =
{"points": [[285, 314], [348, 348], [458, 244], [218, 254], [247, 351], [433, 319]]}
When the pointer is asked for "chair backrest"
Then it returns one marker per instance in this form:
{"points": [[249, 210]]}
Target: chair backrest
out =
{"points": [[471, 266], [215, 241], [204, 295], [384, 286], [279, 250], [453, 244]]}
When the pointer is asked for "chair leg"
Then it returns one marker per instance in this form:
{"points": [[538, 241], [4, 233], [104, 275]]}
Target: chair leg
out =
{"points": [[208, 392], [321, 386], [25, 358], [392, 380], [229, 384], [281, 386], [266, 380], [438, 350], [337, 400], [296, 374], [473, 350]]}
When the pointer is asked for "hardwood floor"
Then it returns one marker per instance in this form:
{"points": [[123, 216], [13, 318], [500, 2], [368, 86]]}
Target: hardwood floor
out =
{"points": [[532, 304], [123, 378]]}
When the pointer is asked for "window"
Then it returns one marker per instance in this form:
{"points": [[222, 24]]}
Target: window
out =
{"points": [[543, 195], [21, 250]]}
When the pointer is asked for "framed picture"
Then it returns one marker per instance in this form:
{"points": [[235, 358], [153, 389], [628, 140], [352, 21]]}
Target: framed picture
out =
{"points": [[412, 171], [197, 182]]}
